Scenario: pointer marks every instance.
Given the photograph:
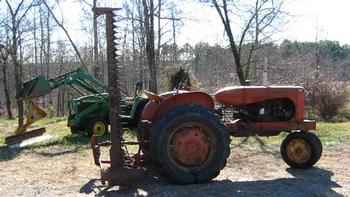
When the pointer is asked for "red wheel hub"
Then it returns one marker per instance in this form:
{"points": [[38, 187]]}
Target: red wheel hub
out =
{"points": [[191, 146]]}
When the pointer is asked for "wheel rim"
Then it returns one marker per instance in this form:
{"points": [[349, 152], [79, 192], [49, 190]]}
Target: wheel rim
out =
{"points": [[99, 128], [189, 146], [299, 151]]}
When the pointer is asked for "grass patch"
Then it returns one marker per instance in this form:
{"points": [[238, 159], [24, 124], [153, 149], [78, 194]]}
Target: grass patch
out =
{"points": [[333, 133], [330, 134], [57, 127]]}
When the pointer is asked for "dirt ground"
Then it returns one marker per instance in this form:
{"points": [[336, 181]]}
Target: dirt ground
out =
{"points": [[64, 171]]}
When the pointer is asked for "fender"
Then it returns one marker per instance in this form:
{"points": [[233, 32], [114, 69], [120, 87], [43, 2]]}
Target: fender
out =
{"points": [[155, 109]]}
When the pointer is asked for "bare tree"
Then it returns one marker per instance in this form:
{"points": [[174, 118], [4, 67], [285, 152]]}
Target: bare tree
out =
{"points": [[17, 14], [48, 51], [259, 18], [159, 32], [4, 61], [149, 31], [61, 25], [97, 71]]}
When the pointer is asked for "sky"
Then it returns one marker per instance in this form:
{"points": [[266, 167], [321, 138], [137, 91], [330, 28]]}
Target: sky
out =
{"points": [[307, 18], [325, 18]]}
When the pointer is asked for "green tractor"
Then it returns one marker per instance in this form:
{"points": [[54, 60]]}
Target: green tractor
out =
{"points": [[88, 113]]}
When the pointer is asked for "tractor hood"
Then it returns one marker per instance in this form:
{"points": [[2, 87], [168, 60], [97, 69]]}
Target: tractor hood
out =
{"points": [[243, 95]]}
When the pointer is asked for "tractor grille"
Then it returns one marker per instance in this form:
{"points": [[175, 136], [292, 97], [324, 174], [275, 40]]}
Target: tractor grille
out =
{"points": [[228, 113]]}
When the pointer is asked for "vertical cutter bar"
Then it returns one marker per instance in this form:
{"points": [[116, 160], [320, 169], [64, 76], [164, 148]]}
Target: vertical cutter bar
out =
{"points": [[114, 94]]}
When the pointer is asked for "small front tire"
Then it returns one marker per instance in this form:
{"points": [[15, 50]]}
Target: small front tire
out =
{"points": [[97, 127], [301, 150]]}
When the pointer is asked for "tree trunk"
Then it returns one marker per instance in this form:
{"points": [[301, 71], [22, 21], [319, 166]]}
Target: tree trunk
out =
{"points": [[18, 76], [174, 37], [6, 91], [35, 46], [149, 27], [134, 56], [97, 70], [159, 32], [48, 52], [59, 94], [237, 56]]}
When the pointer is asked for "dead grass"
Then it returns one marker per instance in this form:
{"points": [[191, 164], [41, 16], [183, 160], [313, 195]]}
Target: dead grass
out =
{"points": [[330, 133], [64, 167]]}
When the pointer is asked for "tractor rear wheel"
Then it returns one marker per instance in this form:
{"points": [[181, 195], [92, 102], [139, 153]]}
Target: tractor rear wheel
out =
{"points": [[301, 149], [190, 144]]}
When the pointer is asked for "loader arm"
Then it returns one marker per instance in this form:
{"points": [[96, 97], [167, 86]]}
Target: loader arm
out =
{"points": [[78, 79]]}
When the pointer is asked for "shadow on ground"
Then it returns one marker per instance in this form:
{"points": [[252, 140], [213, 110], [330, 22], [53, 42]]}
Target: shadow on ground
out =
{"points": [[304, 183]]}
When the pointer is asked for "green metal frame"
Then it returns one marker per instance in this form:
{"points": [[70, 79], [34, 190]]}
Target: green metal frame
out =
{"points": [[79, 78], [93, 103]]}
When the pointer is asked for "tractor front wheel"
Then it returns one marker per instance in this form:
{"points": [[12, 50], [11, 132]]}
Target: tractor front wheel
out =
{"points": [[301, 149], [97, 127], [190, 144]]}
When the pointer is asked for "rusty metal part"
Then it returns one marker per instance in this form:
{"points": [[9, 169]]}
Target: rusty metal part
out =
{"points": [[190, 146], [239, 128], [122, 170], [299, 151], [126, 175], [133, 161], [104, 10], [96, 153], [114, 90], [15, 139]]}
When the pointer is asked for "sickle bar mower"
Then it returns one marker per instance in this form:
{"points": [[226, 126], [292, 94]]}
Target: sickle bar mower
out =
{"points": [[186, 134]]}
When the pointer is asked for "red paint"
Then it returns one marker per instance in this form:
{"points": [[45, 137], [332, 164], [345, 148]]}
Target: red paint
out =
{"points": [[244, 95], [190, 147], [169, 100]]}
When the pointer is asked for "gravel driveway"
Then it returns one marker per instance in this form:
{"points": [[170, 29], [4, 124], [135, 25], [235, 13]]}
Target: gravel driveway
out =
{"points": [[58, 171]]}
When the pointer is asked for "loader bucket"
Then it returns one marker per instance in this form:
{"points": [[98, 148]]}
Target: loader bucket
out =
{"points": [[33, 114], [15, 139], [36, 87]]}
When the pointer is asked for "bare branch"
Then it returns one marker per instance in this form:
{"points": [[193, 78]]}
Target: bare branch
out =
{"points": [[246, 28], [66, 32]]}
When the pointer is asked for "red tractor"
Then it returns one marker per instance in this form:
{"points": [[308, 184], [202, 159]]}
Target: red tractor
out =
{"points": [[187, 133]]}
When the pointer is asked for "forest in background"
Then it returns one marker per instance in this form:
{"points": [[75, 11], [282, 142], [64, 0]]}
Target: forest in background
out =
{"points": [[149, 51]]}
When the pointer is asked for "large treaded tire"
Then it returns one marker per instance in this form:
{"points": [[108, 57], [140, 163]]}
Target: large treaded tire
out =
{"points": [[315, 146], [163, 129]]}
